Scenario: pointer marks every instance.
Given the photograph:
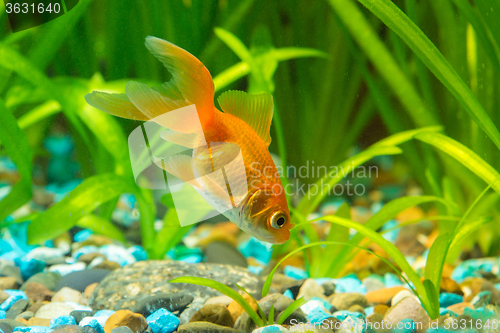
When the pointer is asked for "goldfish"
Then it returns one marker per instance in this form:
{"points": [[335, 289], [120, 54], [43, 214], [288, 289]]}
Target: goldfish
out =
{"points": [[256, 200]]}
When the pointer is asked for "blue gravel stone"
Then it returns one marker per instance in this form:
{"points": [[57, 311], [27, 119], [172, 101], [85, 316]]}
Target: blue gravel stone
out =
{"points": [[288, 293], [445, 311], [82, 235], [62, 320], [138, 252], [84, 250], [117, 254], [343, 314], [104, 313], [3, 314], [349, 284], [391, 280], [29, 266], [256, 249], [318, 315], [315, 304], [271, 329], [479, 313], [7, 304], [447, 299], [163, 321], [405, 326], [369, 310], [32, 329], [471, 268], [192, 259], [295, 273], [255, 269], [95, 325], [393, 234]]}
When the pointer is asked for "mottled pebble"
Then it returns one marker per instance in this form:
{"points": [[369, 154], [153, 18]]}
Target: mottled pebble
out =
{"points": [[344, 301], [214, 313], [80, 280], [53, 310], [136, 322], [204, 327], [49, 280], [171, 302], [311, 289], [68, 295]]}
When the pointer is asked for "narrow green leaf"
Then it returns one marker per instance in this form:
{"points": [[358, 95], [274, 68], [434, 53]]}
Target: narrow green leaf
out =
{"points": [[288, 53], [81, 201], [466, 231], [310, 201], [39, 113], [463, 155], [290, 309], [399, 138], [436, 258], [387, 213], [433, 297], [270, 320], [222, 288], [259, 308], [269, 279], [382, 59], [397, 21], [16, 146], [100, 226]]}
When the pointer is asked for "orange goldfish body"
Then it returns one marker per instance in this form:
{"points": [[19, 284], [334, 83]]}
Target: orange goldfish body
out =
{"points": [[257, 202]]}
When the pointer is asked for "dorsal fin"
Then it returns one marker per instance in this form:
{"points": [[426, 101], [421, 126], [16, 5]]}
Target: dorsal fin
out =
{"points": [[255, 110]]}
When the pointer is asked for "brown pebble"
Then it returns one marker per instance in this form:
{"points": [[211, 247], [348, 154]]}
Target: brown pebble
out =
{"points": [[90, 289], [383, 296], [106, 264], [38, 322], [38, 292], [381, 308], [136, 322], [214, 313], [450, 286], [88, 257], [8, 282], [3, 296], [22, 321], [37, 305], [459, 307], [357, 308], [236, 310]]}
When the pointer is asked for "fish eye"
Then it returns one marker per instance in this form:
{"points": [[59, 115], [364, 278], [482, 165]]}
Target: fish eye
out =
{"points": [[278, 220]]}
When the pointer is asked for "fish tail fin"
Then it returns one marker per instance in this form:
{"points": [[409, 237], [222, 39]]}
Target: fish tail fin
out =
{"points": [[191, 84]]}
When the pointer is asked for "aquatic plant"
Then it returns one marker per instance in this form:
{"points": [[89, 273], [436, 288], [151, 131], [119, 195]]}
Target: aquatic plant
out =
{"points": [[258, 318]]}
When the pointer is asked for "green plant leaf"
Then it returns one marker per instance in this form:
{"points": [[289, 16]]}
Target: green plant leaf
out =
{"points": [[270, 320], [261, 312], [17, 148], [420, 44], [269, 279], [436, 259], [100, 226], [385, 63], [81, 201], [337, 233], [433, 311], [463, 155], [222, 288], [388, 212], [466, 231], [290, 309], [39, 113]]}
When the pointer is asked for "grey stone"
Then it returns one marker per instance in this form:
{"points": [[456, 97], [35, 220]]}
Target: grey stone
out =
{"points": [[171, 302], [125, 287], [9, 270], [344, 301], [204, 327], [408, 308], [5, 328], [80, 314], [73, 329], [121, 329], [12, 323], [49, 280], [82, 279], [53, 310], [224, 253], [329, 288], [17, 308], [26, 315]]}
